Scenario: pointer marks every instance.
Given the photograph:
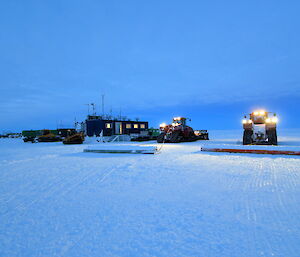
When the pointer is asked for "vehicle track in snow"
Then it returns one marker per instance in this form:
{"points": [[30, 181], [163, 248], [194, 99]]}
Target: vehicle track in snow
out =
{"points": [[266, 208], [266, 199], [62, 184], [115, 205]]}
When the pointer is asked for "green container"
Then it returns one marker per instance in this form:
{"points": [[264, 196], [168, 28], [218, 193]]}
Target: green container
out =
{"points": [[31, 133], [153, 132], [37, 133], [48, 131]]}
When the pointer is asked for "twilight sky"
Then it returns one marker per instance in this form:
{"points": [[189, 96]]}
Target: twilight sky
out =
{"points": [[211, 61]]}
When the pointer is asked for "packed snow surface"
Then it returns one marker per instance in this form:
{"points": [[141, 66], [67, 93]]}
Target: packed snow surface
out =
{"points": [[56, 200]]}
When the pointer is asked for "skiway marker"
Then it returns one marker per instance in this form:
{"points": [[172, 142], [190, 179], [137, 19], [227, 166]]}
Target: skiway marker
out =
{"points": [[253, 151]]}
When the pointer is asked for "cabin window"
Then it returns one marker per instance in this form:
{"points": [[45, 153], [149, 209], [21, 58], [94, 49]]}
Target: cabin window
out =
{"points": [[136, 126], [143, 126], [108, 125], [128, 126]]}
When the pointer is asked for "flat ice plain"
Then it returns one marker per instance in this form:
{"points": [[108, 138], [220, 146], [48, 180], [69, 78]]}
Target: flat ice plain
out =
{"points": [[56, 200]]}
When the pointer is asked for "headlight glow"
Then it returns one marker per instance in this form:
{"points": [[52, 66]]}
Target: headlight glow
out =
{"points": [[163, 125], [256, 113], [244, 121], [275, 119]]}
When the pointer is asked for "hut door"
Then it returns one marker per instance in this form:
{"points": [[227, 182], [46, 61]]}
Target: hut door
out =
{"points": [[118, 128]]}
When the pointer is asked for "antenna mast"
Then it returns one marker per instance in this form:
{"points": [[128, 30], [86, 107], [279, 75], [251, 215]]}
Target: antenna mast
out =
{"points": [[93, 105], [102, 96]]}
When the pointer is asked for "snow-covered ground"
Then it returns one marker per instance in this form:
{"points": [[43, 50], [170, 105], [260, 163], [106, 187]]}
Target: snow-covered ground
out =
{"points": [[56, 200]]}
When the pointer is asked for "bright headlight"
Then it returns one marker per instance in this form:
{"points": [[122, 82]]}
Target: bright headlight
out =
{"points": [[249, 121], [163, 125], [244, 121], [256, 113], [268, 120], [262, 112], [275, 119]]}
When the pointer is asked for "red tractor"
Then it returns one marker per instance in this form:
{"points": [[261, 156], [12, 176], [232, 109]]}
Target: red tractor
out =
{"points": [[178, 131]]}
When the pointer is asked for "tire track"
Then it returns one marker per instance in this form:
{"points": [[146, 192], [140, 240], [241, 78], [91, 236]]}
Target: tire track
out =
{"points": [[61, 189], [65, 249], [266, 210]]}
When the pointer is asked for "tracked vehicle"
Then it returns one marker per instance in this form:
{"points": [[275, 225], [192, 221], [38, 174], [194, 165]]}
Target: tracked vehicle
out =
{"points": [[178, 131], [49, 136], [73, 139], [260, 128]]}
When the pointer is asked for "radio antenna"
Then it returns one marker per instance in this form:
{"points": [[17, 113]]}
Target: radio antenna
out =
{"points": [[102, 97]]}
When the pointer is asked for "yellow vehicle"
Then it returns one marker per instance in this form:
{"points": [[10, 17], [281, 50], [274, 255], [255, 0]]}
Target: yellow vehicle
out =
{"points": [[48, 136]]}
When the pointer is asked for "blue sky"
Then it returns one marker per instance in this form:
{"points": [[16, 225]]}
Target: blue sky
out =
{"points": [[211, 61]]}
